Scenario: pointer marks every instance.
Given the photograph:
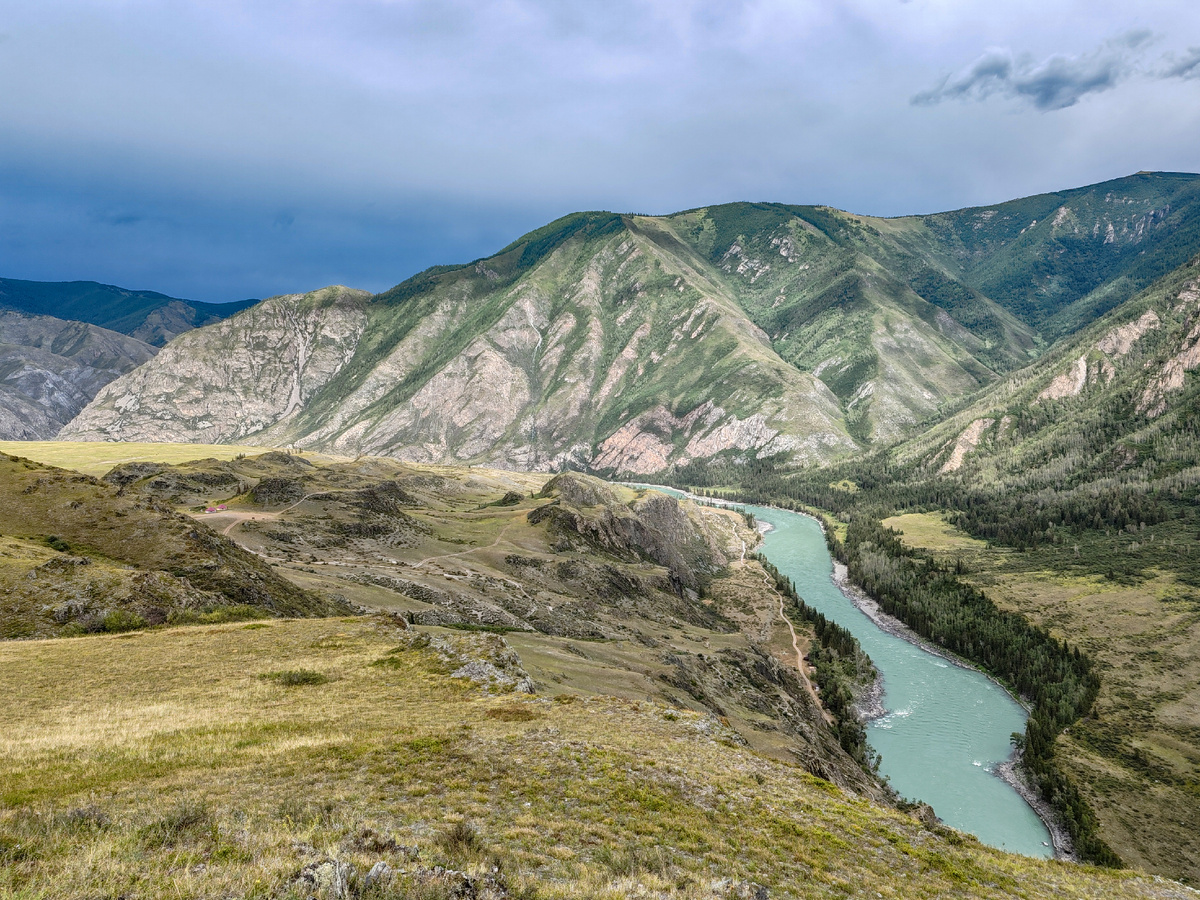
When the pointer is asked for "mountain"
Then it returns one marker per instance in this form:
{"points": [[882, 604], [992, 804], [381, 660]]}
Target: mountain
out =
{"points": [[637, 343], [148, 316], [50, 369], [1056, 261], [1067, 494], [1115, 400], [584, 344]]}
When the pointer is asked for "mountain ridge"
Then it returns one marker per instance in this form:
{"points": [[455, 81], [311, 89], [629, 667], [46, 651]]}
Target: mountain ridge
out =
{"points": [[146, 315], [632, 344], [50, 369]]}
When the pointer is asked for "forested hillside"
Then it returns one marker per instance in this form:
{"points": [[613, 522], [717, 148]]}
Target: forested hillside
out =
{"points": [[146, 315]]}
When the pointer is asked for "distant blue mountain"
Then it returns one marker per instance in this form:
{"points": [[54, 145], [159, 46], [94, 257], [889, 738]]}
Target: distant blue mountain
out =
{"points": [[146, 315]]}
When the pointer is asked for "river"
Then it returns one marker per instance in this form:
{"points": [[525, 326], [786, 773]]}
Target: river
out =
{"points": [[946, 727]]}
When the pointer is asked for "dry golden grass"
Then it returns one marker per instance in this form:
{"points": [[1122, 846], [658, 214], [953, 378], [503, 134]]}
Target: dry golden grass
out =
{"points": [[98, 457], [161, 764]]}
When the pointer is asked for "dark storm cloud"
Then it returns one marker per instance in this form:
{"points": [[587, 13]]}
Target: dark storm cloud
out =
{"points": [[219, 149], [1057, 82]]}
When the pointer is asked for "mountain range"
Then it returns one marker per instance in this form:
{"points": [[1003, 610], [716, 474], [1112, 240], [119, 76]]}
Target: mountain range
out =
{"points": [[1001, 400], [632, 344]]}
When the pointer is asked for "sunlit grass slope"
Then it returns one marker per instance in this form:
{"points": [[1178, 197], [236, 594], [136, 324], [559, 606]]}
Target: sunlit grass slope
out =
{"points": [[215, 762], [1136, 757], [98, 457]]}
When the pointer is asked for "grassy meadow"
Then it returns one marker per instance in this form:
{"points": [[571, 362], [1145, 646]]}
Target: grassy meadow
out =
{"points": [[181, 763], [98, 457]]}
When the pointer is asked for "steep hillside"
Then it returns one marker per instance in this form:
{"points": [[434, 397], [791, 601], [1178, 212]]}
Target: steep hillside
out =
{"points": [[841, 299], [234, 379], [1116, 401], [585, 343], [601, 588], [50, 369], [182, 763], [1068, 494], [636, 344], [78, 555], [1056, 261], [148, 316]]}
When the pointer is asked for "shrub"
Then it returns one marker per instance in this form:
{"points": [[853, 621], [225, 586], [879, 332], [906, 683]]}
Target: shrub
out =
{"points": [[295, 677], [460, 840], [118, 620], [54, 542]]}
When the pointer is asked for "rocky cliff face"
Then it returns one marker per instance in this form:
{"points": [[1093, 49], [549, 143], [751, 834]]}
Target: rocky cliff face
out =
{"points": [[235, 378], [50, 369]]}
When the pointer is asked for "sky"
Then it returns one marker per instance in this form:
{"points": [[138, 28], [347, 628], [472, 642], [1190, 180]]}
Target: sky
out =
{"points": [[218, 150]]}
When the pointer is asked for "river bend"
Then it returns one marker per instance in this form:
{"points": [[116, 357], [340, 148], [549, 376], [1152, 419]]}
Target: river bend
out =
{"points": [[946, 728]]}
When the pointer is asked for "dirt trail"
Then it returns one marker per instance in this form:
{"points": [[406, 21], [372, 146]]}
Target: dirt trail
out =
{"points": [[239, 517], [800, 667], [499, 538]]}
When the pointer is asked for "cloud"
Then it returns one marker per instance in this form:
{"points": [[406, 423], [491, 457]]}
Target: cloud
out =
{"points": [[277, 146], [1187, 67], [1057, 82]]}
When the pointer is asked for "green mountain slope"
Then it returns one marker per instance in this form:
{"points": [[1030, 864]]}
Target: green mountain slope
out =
{"points": [[584, 343], [1058, 260], [146, 315], [1069, 494], [637, 343], [836, 297], [1116, 400]]}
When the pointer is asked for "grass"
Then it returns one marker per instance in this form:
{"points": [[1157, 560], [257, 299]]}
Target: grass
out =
{"points": [[1137, 759], [164, 766], [98, 457], [932, 532]]}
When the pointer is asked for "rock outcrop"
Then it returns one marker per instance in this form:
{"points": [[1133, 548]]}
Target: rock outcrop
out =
{"points": [[233, 379], [653, 526]]}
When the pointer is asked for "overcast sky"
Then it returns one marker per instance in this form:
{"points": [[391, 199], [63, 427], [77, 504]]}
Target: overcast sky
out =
{"points": [[219, 150]]}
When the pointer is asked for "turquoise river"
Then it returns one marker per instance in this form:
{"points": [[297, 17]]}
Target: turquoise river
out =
{"points": [[946, 727]]}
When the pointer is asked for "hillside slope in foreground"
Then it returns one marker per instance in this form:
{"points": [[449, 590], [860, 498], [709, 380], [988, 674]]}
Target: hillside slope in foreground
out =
{"points": [[185, 763], [576, 755]]}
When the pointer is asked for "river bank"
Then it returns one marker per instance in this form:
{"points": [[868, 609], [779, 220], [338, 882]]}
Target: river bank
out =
{"points": [[1009, 771], [934, 728]]}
